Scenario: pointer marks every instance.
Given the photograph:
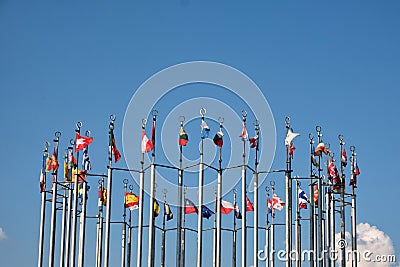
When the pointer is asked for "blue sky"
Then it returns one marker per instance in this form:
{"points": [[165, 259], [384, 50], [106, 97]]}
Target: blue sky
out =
{"points": [[331, 64]]}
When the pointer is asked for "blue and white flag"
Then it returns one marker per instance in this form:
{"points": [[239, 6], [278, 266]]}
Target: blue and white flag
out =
{"points": [[86, 166], [205, 130]]}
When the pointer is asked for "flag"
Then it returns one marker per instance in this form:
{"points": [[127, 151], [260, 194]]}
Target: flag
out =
{"points": [[205, 130], [316, 194], [291, 150], [153, 134], [277, 202], [353, 180], [183, 137], [226, 207], [244, 134], [131, 201], [71, 160], [344, 158], [147, 145], [54, 159], [206, 212], [156, 208], [320, 148], [42, 179], [303, 199], [66, 172], [81, 175], [82, 141], [270, 206], [314, 161], [238, 215], [168, 212], [218, 138], [114, 150], [48, 164], [356, 169], [190, 207], [289, 137], [249, 205], [254, 142], [102, 196], [86, 165]]}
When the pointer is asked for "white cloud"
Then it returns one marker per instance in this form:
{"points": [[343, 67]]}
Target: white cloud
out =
{"points": [[3, 235], [373, 246]]}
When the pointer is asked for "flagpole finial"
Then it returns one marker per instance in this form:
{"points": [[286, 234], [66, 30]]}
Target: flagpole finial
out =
{"points": [[57, 134], [352, 149], [113, 117], [332, 154], [272, 183], [144, 121], [311, 137], [131, 187], [46, 146], [318, 129], [125, 181], [287, 121], [79, 125], [244, 113], [154, 112], [203, 112], [72, 142], [220, 120], [235, 191], [181, 119], [267, 188], [87, 133]]}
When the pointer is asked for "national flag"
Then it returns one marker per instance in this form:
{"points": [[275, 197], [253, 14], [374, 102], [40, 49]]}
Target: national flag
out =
{"points": [[48, 164], [206, 212], [238, 215], [289, 137], [356, 169], [270, 206], [82, 141], [254, 142], [333, 172], [131, 201], [190, 207], [303, 199], [168, 212], [205, 130], [147, 145], [113, 145], [183, 137], [71, 160], [218, 138], [42, 179], [291, 150], [156, 208], [81, 175], [86, 165], [316, 194], [102, 196], [344, 158], [226, 207], [277, 202], [66, 172], [314, 161], [320, 148], [54, 159], [249, 205], [244, 134], [153, 134]]}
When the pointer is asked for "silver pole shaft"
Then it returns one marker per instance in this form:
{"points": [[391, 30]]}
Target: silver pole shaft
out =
{"points": [[255, 253], [320, 200], [215, 230], [354, 228], [128, 258], [327, 228], [219, 219], [244, 205], [108, 217], [82, 229], [53, 223], [312, 229], [99, 238], [63, 223], [267, 233], [163, 235], [140, 219], [342, 211], [298, 227], [183, 234], [75, 216], [68, 228], [234, 233], [332, 229], [152, 248], [123, 238], [288, 209], [272, 254], [41, 231], [200, 217], [179, 221]]}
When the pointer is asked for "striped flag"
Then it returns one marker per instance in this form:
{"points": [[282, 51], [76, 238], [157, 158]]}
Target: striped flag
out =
{"points": [[86, 165], [205, 130], [303, 199], [168, 212], [147, 145], [226, 207], [131, 201]]}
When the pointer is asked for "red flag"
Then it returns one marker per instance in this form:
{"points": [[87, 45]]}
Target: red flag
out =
{"points": [[226, 207], [249, 205], [344, 158], [114, 150], [82, 141], [291, 150], [254, 142], [190, 207], [147, 145]]}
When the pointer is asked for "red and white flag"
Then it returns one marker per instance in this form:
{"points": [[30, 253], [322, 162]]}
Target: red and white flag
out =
{"points": [[244, 134], [344, 158], [226, 207], [147, 145], [277, 203], [249, 205], [82, 141]]}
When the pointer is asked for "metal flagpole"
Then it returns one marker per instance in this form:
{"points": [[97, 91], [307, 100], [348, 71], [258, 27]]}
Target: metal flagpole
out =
{"points": [[272, 256], [234, 230], [256, 129], [163, 233], [215, 229], [319, 204], [63, 220], [108, 200], [54, 203], [342, 211], [183, 232], [353, 209], [288, 181], [151, 250], [332, 229], [179, 221], [298, 226], [327, 225], [82, 220], [141, 199], [69, 213], [99, 238], [128, 257], [200, 217], [123, 239], [219, 197], [312, 209], [267, 229], [244, 201], [43, 206], [75, 207]]}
